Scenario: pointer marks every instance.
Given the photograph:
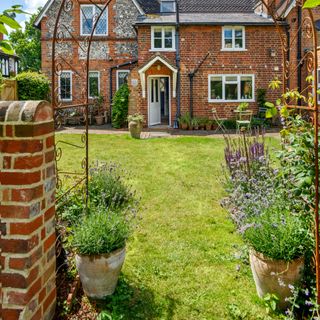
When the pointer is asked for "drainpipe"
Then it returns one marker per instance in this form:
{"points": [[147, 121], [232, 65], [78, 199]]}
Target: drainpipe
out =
{"points": [[299, 48], [176, 120], [191, 78], [111, 79]]}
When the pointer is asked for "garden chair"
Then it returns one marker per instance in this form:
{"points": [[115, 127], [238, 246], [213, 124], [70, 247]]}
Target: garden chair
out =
{"points": [[219, 121], [244, 120]]}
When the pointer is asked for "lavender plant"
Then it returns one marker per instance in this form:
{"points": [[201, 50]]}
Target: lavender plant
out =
{"points": [[265, 214]]}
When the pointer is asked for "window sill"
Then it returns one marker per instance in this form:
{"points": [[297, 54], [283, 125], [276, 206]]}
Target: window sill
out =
{"points": [[162, 50], [230, 101], [234, 50], [65, 100], [95, 35]]}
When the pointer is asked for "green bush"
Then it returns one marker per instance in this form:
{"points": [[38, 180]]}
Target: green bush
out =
{"points": [[278, 233], [101, 232], [108, 187], [120, 107], [33, 86]]}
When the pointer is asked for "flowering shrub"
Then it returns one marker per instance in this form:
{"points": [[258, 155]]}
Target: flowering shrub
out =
{"points": [[266, 215], [107, 188]]}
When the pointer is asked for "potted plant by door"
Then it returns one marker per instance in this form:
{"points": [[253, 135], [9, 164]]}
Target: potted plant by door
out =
{"points": [[135, 125], [195, 124], [184, 121], [100, 110], [209, 124]]}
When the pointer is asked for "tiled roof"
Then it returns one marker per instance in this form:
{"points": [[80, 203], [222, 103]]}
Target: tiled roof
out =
{"points": [[203, 6]]}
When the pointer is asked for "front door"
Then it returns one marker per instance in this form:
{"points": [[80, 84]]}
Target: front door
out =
{"points": [[154, 102]]}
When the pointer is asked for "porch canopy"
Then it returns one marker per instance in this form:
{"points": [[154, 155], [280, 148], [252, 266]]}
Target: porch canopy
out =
{"points": [[148, 65]]}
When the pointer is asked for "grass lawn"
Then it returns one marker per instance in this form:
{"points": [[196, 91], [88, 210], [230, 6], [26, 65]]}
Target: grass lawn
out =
{"points": [[183, 262]]}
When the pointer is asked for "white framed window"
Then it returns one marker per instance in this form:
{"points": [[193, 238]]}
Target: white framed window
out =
{"points": [[231, 88], [163, 39], [94, 84], [233, 38], [167, 6], [122, 77], [88, 16], [65, 86]]}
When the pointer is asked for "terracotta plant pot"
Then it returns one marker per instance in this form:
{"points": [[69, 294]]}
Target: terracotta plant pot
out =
{"points": [[99, 274], [135, 129], [274, 276], [99, 120], [208, 127], [184, 126]]}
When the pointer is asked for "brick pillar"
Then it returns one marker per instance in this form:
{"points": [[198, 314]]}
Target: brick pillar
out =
{"points": [[27, 211]]}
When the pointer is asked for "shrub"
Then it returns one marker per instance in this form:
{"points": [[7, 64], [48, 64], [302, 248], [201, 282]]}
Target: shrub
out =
{"points": [[120, 107], [277, 233], [33, 86], [107, 187], [101, 232], [261, 98], [271, 220], [185, 119], [72, 206]]}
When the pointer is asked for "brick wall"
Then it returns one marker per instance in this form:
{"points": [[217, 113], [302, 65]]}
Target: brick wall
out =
{"points": [[118, 47], [196, 42], [27, 209]]}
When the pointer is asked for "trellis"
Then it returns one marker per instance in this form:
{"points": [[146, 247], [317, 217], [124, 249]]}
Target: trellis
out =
{"points": [[310, 59]]}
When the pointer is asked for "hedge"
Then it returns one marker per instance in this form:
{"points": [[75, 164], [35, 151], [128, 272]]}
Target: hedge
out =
{"points": [[33, 86], [120, 107]]}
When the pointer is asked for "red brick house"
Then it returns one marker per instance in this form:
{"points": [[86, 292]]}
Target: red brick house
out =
{"points": [[185, 56]]}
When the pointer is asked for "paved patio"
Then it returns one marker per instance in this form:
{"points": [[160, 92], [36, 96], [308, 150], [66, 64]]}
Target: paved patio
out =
{"points": [[156, 132]]}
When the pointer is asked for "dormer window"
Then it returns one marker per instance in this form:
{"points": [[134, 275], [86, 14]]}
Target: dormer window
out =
{"points": [[168, 6]]}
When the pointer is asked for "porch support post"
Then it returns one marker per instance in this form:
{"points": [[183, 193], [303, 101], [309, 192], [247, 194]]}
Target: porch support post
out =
{"points": [[174, 84], [143, 83]]}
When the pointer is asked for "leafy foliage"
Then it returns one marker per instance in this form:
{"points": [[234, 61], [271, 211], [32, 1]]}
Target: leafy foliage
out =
{"points": [[33, 86], [27, 45], [297, 157], [185, 119], [277, 233], [136, 118], [101, 232], [7, 20], [120, 107], [108, 187], [311, 3], [270, 219]]}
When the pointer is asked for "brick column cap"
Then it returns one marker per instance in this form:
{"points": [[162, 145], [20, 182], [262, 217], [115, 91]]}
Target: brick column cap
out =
{"points": [[25, 111]]}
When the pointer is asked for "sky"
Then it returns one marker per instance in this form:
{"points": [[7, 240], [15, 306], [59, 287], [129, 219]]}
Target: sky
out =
{"points": [[30, 6]]}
